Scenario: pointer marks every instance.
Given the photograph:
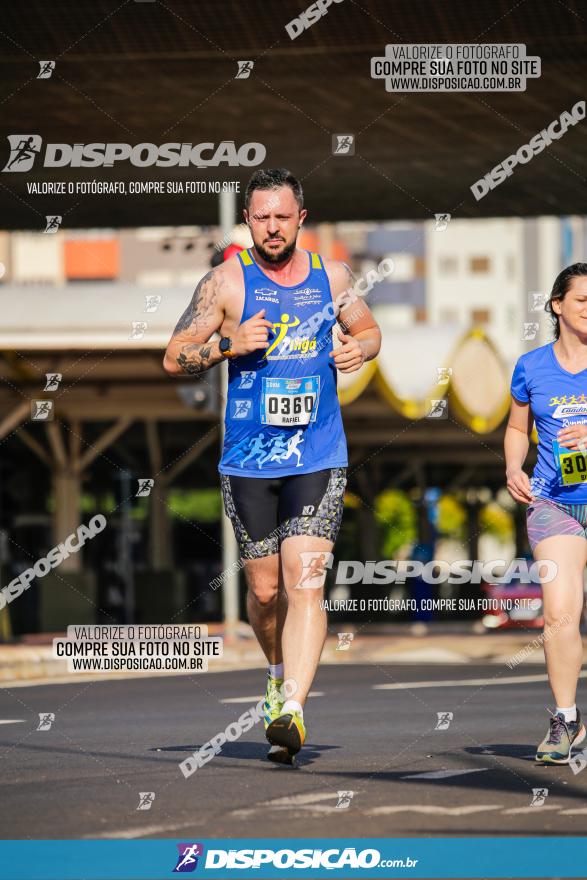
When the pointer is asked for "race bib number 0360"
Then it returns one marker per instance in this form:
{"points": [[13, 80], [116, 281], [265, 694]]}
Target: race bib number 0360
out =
{"points": [[290, 401], [571, 465]]}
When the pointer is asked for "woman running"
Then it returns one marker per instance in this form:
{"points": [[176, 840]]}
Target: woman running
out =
{"points": [[549, 387]]}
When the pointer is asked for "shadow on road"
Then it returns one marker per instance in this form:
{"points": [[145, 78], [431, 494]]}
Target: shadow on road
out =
{"points": [[251, 751]]}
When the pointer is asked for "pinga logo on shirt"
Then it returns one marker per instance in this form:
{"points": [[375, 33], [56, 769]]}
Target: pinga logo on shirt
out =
{"points": [[288, 345]]}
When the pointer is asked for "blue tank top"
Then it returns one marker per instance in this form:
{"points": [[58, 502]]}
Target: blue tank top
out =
{"points": [[282, 410]]}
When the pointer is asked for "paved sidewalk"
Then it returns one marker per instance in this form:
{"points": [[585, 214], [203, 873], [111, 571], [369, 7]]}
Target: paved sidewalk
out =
{"points": [[31, 659]]}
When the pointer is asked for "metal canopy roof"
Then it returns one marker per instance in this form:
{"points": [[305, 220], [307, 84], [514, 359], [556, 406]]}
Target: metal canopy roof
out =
{"points": [[164, 71], [112, 371]]}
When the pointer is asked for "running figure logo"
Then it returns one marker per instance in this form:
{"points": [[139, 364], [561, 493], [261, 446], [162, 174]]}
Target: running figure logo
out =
{"points": [[242, 408], [281, 333], [244, 69], [138, 329], [438, 409], [24, 149], [146, 799], [275, 449], [53, 380], [187, 861], [344, 800], [441, 222], [536, 301], [314, 567], [53, 222], [343, 144], [46, 719], [444, 719], [42, 410], [443, 375], [539, 795], [47, 68], [247, 378], [152, 302]]}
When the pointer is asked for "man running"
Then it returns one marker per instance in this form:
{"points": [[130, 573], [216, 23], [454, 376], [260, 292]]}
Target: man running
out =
{"points": [[275, 307]]}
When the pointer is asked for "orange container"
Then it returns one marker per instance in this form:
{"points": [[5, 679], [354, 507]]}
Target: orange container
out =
{"points": [[91, 258]]}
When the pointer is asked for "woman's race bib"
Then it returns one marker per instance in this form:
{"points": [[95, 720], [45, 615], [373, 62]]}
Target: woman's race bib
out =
{"points": [[571, 465]]}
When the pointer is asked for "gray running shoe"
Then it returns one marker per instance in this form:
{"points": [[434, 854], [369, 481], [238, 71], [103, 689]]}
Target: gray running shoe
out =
{"points": [[557, 745]]}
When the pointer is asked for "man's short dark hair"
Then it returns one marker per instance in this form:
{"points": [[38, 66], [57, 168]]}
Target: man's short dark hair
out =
{"points": [[270, 178]]}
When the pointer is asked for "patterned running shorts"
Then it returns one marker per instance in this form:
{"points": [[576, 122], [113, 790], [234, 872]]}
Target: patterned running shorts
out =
{"points": [[265, 511], [546, 519]]}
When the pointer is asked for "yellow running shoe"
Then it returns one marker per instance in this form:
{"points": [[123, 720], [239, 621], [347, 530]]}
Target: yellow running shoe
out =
{"points": [[287, 731], [273, 699]]}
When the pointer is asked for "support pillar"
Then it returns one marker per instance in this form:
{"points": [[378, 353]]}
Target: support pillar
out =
{"points": [[230, 557], [160, 529], [67, 514], [160, 533], [473, 508], [367, 523]]}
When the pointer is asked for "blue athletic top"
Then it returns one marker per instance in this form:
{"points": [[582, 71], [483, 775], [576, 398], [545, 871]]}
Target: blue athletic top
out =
{"points": [[282, 410], [557, 399]]}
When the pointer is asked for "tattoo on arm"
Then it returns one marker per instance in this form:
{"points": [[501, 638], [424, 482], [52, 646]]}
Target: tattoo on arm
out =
{"points": [[195, 357], [198, 358], [202, 303]]}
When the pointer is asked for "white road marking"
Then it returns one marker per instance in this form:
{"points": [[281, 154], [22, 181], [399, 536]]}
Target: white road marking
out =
{"points": [[516, 810], [428, 655], [444, 774], [299, 800], [433, 810], [251, 700], [258, 697], [13, 721], [308, 801], [459, 682], [131, 833]]}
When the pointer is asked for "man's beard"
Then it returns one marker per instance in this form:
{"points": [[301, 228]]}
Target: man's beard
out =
{"points": [[277, 258]]}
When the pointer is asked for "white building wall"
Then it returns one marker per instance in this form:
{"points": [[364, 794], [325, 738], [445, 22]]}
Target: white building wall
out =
{"points": [[549, 266], [37, 257], [495, 247]]}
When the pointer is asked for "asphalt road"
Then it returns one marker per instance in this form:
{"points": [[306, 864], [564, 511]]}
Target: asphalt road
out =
{"points": [[112, 740]]}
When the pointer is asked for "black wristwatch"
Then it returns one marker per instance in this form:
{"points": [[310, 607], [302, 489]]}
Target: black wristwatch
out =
{"points": [[225, 346]]}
